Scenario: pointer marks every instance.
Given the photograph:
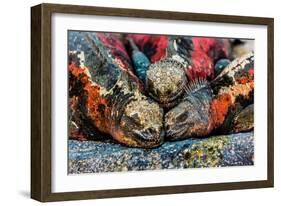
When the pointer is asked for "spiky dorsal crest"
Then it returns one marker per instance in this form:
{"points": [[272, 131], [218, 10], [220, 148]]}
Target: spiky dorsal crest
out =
{"points": [[195, 85]]}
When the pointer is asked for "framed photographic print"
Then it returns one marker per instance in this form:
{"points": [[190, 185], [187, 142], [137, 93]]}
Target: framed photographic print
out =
{"points": [[130, 102]]}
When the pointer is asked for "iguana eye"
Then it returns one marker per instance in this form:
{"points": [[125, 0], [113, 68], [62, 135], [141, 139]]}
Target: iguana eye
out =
{"points": [[182, 117]]}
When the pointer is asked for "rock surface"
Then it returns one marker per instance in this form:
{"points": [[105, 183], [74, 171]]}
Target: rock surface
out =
{"points": [[215, 151]]}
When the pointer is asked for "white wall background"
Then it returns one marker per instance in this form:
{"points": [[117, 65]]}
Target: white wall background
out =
{"points": [[15, 102]]}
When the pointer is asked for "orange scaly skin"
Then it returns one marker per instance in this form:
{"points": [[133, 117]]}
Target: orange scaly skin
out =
{"points": [[94, 100], [100, 110], [243, 85], [219, 109]]}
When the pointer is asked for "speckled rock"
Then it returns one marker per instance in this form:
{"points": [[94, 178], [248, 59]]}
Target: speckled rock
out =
{"points": [[215, 151]]}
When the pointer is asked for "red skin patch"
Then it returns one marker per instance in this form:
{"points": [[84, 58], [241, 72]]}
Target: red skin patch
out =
{"points": [[116, 47], [215, 48], [203, 44], [219, 109], [157, 43], [206, 51], [251, 71], [120, 55], [202, 66]]}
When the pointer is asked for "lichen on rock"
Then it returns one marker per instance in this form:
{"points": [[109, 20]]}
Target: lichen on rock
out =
{"points": [[206, 153]]}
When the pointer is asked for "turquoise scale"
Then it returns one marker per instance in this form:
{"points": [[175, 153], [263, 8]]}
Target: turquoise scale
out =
{"points": [[140, 62]]}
